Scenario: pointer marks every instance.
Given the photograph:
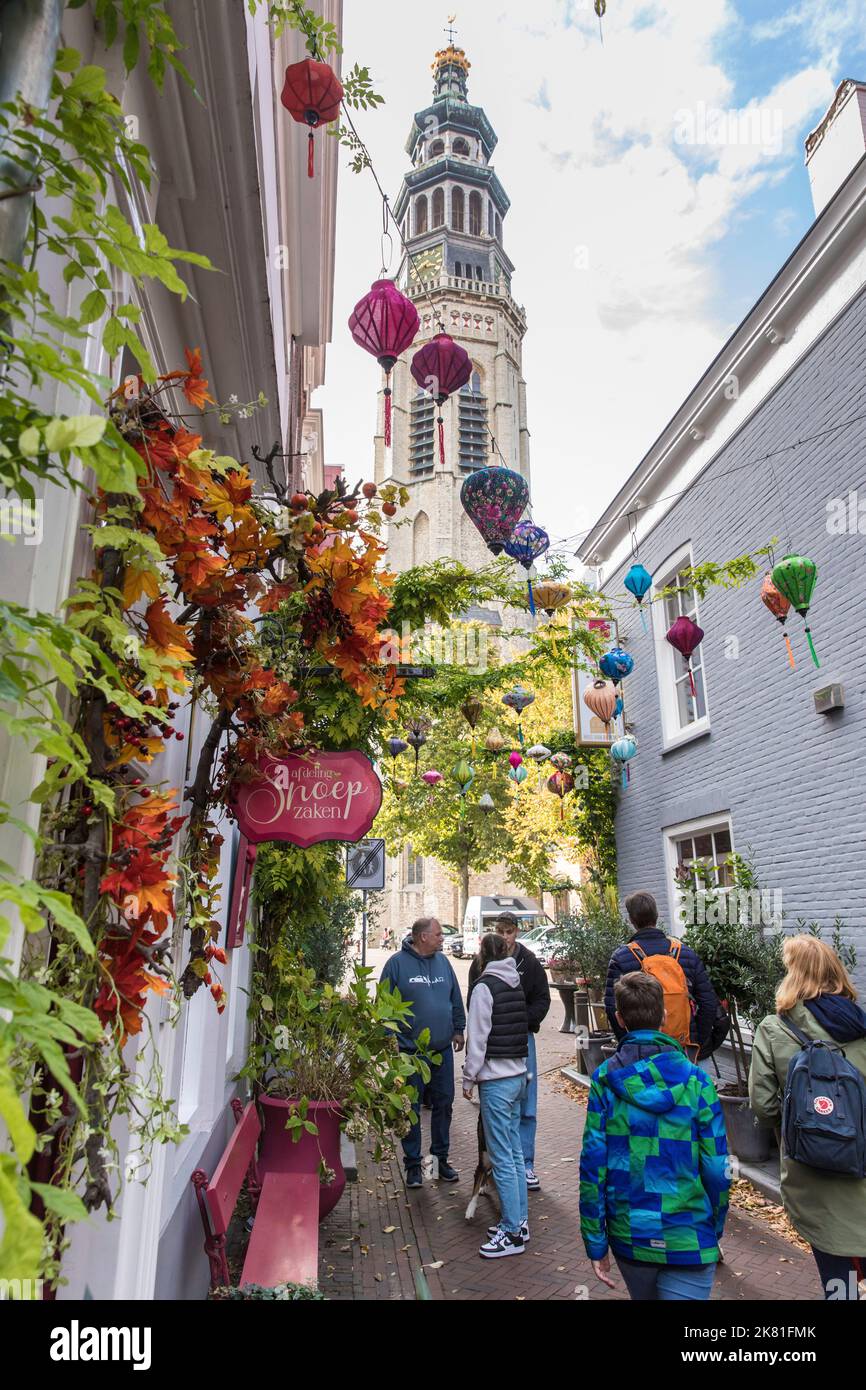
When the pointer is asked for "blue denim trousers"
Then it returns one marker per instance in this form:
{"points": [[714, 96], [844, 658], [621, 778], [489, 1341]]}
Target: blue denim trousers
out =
{"points": [[500, 1113], [667, 1283], [440, 1091], [529, 1107]]}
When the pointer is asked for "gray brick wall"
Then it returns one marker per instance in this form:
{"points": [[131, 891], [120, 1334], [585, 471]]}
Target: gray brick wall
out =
{"points": [[793, 780]]}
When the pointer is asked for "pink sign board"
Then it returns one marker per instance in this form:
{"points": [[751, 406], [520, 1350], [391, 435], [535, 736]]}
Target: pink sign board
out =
{"points": [[309, 797]]}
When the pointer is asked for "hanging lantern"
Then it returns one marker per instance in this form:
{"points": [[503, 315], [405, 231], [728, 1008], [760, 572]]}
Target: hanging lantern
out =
{"points": [[515, 759], [312, 94], [538, 753], [616, 664], [561, 761], [396, 746], [494, 742], [486, 803], [472, 710], [440, 368], [494, 499], [600, 7], [622, 752], [463, 773], [518, 774], [795, 577], [779, 607], [561, 783], [639, 581], [686, 636], [518, 699], [432, 777], [550, 596], [600, 697], [416, 736], [384, 323], [527, 542]]}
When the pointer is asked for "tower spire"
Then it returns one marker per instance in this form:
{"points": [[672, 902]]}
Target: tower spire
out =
{"points": [[450, 68]]}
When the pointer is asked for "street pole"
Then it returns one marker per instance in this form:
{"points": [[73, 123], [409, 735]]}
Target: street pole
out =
{"points": [[363, 927], [29, 35]]}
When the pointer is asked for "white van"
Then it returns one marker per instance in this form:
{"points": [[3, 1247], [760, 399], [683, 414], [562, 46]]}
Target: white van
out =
{"points": [[481, 914]]}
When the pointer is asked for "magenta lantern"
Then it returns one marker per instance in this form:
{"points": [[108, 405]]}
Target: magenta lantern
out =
{"points": [[686, 636], [441, 367], [384, 323], [515, 759]]}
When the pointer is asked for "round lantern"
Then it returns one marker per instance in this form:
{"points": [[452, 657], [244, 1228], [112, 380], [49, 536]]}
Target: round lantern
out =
{"points": [[472, 710], [515, 759], [486, 803], [616, 664], [518, 774], [494, 499], [600, 697], [396, 746], [795, 577], [384, 323], [518, 699], [550, 596], [494, 742], [312, 94], [431, 777], [685, 635], [639, 581], [538, 753], [416, 736], [527, 542], [780, 607], [561, 783], [463, 773], [440, 368], [622, 751], [561, 761]]}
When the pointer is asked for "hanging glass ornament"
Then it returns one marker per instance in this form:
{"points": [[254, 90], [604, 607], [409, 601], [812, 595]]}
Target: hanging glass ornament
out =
{"points": [[486, 803], [622, 751], [384, 323], [440, 368], [780, 607], [515, 759], [538, 753], [685, 635], [312, 94], [639, 581], [526, 543], [518, 774], [549, 596], [795, 578], [600, 698], [494, 742], [518, 699], [561, 783], [561, 761], [494, 499], [616, 664]]}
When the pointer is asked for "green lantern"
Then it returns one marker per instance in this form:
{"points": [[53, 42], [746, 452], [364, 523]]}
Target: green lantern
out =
{"points": [[795, 578], [463, 774]]}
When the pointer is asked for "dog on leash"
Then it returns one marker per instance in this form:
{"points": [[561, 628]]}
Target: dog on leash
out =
{"points": [[482, 1184]]}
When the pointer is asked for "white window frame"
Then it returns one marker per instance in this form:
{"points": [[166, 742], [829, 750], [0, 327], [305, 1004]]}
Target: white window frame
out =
{"points": [[673, 733], [671, 834]]}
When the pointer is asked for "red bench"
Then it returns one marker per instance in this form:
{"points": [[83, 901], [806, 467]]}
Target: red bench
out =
{"points": [[284, 1245]]}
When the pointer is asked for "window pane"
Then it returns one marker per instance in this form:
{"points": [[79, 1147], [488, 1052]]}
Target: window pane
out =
{"points": [[685, 850], [723, 843], [685, 704], [704, 846]]}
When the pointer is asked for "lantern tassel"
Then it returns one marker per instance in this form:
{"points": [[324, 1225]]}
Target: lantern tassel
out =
{"points": [[311, 156], [791, 661], [531, 599], [520, 734], [441, 423], [692, 683], [643, 621], [812, 647], [561, 809], [628, 772], [624, 777], [387, 417]]}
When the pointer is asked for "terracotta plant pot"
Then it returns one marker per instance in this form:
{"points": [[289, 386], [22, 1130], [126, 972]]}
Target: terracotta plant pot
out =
{"points": [[279, 1154]]}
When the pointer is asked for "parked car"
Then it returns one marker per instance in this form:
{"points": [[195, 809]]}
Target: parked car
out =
{"points": [[453, 944], [481, 914], [545, 942]]}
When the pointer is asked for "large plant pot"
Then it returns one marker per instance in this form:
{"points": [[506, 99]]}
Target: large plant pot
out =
{"points": [[593, 1055], [747, 1137], [279, 1154]]}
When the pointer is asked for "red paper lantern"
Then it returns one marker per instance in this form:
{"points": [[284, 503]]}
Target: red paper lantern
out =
{"points": [[441, 367], [384, 323], [311, 93]]}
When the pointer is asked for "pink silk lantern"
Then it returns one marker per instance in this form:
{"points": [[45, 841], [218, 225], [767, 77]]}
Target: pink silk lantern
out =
{"points": [[432, 777], [686, 636], [601, 698], [384, 323], [441, 367]]}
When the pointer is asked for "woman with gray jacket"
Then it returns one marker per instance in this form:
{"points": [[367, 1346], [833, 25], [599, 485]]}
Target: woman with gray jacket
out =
{"points": [[496, 1050], [827, 1209]]}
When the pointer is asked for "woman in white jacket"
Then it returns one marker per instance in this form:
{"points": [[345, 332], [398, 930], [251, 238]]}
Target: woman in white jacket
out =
{"points": [[496, 1051]]}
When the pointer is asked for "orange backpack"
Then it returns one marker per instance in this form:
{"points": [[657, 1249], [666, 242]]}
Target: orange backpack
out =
{"points": [[671, 976]]}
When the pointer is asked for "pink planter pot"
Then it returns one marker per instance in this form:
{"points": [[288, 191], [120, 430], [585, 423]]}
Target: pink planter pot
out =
{"points": [[278, 1154]]}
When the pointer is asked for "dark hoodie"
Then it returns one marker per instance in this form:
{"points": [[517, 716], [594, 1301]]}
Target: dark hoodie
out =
{"points": [[429, 984], [653, 941]]}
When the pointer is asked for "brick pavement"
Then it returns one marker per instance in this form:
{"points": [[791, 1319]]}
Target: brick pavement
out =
{"points": [[430, 1226]]}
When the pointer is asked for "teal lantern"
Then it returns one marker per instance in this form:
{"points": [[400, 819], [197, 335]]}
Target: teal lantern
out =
{"points": [[622, 752], [795, 578]]}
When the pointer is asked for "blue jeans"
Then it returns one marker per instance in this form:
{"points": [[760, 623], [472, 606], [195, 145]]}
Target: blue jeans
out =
{"points": [[529, 1107], [440, 1090], [839, 1275], [667, 1283], [500, 1112]]}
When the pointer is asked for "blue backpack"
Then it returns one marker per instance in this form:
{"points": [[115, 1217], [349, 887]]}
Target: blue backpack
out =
{"points": [[824, 1109]]}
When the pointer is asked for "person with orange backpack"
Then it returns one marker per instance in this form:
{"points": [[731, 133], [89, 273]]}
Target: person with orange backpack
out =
{"points": [[691, 1005]]}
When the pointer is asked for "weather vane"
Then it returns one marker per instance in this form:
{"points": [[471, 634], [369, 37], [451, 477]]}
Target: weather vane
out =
{"points": [[450, 30]]}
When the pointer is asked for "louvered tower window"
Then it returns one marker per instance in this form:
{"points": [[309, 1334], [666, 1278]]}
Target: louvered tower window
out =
{"points": [[473, 425], [422, 433]]}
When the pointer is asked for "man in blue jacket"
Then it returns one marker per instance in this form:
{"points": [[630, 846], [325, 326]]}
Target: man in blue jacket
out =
{"points": [[426, 980], [651, 941]]}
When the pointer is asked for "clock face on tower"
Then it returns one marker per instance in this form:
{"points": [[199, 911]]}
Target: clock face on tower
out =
{"points": [[427, 264]]}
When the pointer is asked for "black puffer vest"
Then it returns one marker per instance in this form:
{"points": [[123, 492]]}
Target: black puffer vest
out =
{"points": [[509, 1025]]}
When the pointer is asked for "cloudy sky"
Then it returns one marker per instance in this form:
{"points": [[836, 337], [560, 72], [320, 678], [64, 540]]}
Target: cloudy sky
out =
{"points": [[643, 225]]}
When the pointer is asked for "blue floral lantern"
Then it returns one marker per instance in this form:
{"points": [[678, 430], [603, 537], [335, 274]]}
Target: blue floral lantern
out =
{"points": [[526, 544], [495, 499], [616, 664]]}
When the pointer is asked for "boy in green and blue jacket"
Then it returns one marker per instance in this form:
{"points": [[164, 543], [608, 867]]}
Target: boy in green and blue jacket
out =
{"points": [[654, 1171]]}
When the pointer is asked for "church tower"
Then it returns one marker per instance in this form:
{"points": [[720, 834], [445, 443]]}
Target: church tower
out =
{"points": [[452, 209]]}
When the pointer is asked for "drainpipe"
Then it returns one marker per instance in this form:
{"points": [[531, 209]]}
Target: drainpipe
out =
{"points": [[29, 36]]}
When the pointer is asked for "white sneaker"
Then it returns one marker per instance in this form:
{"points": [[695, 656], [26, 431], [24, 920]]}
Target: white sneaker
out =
{"points": [[524, 1231], [532, 1180], [500, 1244]]}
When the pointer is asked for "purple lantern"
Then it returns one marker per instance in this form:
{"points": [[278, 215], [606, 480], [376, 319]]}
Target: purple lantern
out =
{"points": [[526, 544], [441, 367], [685, 636], [494, 499], [384, 323]]}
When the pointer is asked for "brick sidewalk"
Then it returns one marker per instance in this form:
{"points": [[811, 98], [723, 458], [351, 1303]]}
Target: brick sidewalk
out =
{"points": [[430, 1226]]}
